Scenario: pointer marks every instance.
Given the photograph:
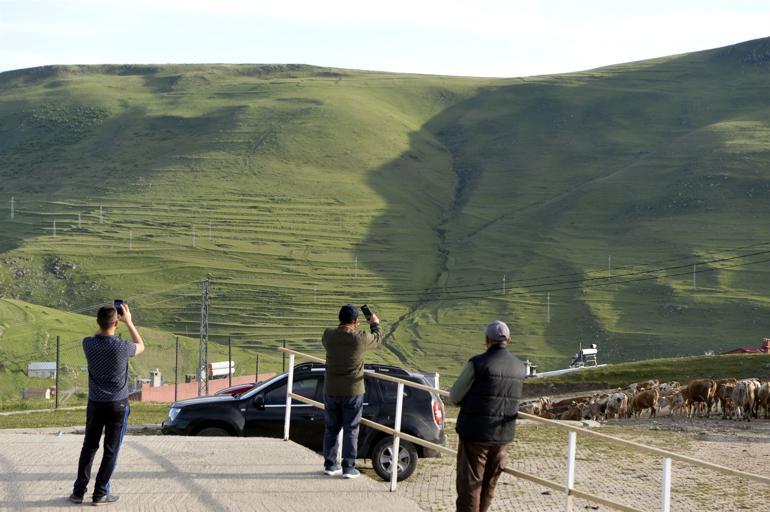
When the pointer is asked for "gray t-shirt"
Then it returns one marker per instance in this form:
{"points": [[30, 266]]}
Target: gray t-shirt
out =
{"points": [[107, 358]]}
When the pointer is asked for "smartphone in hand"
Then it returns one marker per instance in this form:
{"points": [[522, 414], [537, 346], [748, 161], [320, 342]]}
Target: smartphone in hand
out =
{"points": [[119, 306], [367, 312]]}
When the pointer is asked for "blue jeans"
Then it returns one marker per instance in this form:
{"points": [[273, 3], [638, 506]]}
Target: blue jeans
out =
{"points": [[342, 412]]}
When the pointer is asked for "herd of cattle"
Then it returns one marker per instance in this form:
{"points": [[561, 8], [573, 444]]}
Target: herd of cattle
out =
{"points": [[734, 399]]}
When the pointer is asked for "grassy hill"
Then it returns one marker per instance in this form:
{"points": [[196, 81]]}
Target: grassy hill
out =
{"points": [[28, 333], [300, 188]]}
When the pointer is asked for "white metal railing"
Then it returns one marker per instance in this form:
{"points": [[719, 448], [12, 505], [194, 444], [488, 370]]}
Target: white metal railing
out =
{"points": [[569, 483]]}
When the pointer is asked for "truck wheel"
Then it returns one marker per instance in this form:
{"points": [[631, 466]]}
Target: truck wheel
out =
{"points": [[213, 432], [382, 459]]}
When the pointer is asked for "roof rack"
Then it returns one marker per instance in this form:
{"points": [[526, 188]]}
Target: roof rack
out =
{"points": [[376, 367]]}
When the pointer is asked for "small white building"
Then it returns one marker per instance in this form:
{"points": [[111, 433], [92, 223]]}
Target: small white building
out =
{"points": [[42, 370], [156, 379]]}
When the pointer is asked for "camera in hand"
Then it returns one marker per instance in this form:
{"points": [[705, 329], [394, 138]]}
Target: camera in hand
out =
{"points": [[119, 306], [367, 312]]}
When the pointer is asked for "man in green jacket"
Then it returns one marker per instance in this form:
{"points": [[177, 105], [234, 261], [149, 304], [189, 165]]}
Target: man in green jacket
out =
{"points": [[344, 387]]}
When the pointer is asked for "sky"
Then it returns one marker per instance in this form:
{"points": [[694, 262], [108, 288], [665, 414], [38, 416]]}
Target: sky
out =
{"points": [[449, 37]]}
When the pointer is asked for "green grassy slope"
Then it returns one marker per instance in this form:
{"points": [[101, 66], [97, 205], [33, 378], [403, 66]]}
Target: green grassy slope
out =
{"points": [[680, 369], [413, 193], [28, 333], [655, 164]]}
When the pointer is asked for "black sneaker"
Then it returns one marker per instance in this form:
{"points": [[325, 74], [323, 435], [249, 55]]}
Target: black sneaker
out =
{"points": [[106, 499], [74, 498]]}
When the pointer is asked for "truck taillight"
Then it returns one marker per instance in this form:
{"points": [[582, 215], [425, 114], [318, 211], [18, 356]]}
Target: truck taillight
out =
{"points": [[438, 412]]}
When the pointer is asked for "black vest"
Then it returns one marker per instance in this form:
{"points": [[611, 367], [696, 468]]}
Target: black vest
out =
{"points": [[488, 411]]}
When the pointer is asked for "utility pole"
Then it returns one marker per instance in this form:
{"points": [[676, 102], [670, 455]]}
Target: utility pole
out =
{"points": [[203, 348], [256, 370], [355, 276], [503, 284], [548, 308], [694, 284], [58, 352], [80, 225], [12, 205], [54, 229], [176, 371]]}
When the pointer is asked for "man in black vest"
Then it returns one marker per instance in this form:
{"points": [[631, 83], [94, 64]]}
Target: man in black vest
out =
{"points": [[488, 392]]}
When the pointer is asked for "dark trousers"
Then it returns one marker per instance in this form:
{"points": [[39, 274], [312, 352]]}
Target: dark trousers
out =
{"points": [[342, 412], [478, 467], [112, 418]]}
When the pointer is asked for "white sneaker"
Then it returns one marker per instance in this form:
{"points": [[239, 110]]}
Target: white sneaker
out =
{"points": [[333, 471], [351, 473]]}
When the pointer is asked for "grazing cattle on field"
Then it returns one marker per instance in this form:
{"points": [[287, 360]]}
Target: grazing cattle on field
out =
{"points": [[535, 407], [677, 404], [617, 404], [700, 392], [669, 388], [569, 401], [723, 393], [763, 399], [743, 399], [647, 399], [648, 384], [574, 413], [596, 408], [531, 408], [757, 387]]}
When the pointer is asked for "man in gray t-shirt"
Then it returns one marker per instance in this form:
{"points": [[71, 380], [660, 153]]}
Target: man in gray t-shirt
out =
{"points": [[108, 410]]}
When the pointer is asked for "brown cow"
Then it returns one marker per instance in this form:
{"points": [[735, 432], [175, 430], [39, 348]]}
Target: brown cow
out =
{"points": [[648, 384], [700, 391], [575, 413], [647, 399], [724, 394], [764, 399]]}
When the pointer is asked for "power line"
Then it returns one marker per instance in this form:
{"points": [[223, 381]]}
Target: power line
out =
{"points": [[425, 294]]}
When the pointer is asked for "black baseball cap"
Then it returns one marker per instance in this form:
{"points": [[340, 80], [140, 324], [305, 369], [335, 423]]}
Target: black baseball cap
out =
{"points": [[348, 314]]}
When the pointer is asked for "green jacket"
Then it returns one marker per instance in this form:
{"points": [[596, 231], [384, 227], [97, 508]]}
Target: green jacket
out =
{"points": [[345, 359]]}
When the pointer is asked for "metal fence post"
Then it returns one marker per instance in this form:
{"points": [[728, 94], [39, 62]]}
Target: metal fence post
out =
{"points": [[569, 483], [289, 387], [665, 496], [396, 438]]}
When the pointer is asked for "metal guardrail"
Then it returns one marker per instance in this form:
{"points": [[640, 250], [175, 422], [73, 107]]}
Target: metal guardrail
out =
{"points": [[568, 487]]}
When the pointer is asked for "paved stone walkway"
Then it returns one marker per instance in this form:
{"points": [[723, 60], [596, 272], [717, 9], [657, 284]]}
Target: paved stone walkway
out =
{"points": [[158, 473]]}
